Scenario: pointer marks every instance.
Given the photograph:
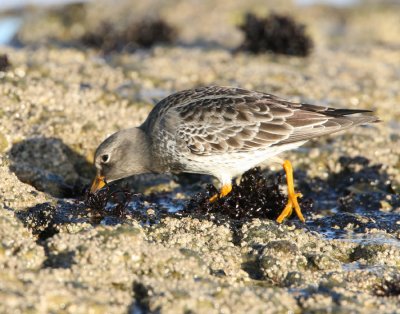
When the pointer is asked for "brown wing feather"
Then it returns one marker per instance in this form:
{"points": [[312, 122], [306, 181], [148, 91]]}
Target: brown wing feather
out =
{"points": [[231, 125], [214, 120]]}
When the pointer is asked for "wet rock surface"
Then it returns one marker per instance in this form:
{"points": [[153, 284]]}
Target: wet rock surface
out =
{"points": [[152, 243]]}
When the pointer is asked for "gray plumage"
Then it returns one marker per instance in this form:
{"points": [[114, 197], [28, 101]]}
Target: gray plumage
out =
{"points": [[220, 131]]}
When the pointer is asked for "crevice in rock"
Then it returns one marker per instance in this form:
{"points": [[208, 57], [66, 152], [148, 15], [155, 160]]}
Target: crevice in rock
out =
{"points": [[252, 267], [60, 260], [141, 302], [51, 166]]}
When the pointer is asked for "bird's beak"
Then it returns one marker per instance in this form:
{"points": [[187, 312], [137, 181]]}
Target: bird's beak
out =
{"points": [[97, 184]]}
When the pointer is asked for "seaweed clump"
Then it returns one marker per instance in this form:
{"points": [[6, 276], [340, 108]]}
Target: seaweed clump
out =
{"points": [[279, 34], [40, 219], [255, 197], [141, 34], [4, 62], [97, 203]]}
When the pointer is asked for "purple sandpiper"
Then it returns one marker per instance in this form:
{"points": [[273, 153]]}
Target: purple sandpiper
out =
{"points": [[219, 131]]}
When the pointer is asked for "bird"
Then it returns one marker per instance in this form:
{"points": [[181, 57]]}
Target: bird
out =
{"points": [[219, 131]]}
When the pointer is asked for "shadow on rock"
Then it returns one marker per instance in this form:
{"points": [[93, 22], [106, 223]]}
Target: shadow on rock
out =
{"points": [[360, 195], [358, 186], [50, 166], [364, 185]]}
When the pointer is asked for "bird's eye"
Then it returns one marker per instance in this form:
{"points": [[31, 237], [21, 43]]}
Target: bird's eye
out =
{"points": [[105, 158]]}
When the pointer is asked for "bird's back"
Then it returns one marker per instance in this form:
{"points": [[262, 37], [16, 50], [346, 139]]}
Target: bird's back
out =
{"points": [[211, 121]]}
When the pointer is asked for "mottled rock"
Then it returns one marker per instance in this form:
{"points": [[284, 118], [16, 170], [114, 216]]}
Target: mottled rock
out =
{"points": [[59, 102], [18, 249]]}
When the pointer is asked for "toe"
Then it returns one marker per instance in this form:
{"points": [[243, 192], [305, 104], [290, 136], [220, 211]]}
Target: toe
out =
{"points": [[296, 206], [287, 211], [213, 198]]}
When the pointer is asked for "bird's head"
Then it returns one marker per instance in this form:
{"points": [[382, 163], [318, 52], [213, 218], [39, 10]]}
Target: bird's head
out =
{"points": [[121, 155]]}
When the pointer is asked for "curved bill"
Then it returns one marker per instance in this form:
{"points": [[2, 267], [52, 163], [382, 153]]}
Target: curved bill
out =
{"points": [[97, 184]]}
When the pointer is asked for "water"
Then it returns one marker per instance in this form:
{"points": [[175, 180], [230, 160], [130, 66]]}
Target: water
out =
{"points": [[9, 25], [379, 238], [338, 3], [14, 4], [8, 28]]}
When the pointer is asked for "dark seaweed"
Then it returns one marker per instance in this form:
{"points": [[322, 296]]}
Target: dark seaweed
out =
{"points": [[255, 197], [141, 34], [40, 219], [97, 202], [4, 62], [276, 33]]}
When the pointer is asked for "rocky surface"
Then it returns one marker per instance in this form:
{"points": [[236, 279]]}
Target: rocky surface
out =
{"points": [[59, 100]]}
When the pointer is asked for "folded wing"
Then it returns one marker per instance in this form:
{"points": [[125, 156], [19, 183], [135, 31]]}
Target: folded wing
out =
{"points": [[236, 120]]}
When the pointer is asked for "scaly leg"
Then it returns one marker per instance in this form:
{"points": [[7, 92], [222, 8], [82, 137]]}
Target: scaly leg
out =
{"points": [[292, 201], [225, 190]]}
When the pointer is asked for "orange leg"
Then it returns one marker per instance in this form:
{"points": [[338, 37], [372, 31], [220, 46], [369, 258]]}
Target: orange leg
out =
{"points": [[292, 201], [225, 190]]}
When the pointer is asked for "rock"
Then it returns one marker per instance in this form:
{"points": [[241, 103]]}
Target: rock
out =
{"points": [[58, 102], [18, 249]]}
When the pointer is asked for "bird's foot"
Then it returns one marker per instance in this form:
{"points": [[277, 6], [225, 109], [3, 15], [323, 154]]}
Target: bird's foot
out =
{"points": [[225, 190], [292, 201], [291, 204]]}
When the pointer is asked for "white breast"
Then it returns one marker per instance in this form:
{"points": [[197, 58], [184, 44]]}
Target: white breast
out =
{"points": [[227, 166]]}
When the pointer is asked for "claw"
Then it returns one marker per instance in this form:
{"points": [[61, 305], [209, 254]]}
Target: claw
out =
{"points": [[225, 190], [213, 198]]}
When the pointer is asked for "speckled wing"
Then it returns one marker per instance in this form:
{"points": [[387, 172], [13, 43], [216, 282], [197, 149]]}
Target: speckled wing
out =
{"points": [[226, 124], [217, 120]]}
